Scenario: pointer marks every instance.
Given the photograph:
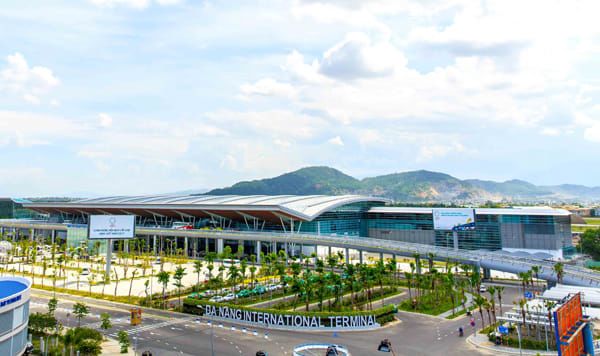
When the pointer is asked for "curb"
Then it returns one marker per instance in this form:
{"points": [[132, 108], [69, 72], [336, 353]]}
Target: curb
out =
{"points": [[506, 351]]}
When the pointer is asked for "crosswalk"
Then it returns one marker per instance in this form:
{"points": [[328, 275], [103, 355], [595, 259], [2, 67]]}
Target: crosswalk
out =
{"points": [[149, 327]]}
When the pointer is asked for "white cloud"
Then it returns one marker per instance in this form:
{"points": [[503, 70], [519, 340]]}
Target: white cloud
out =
{"points": [[550, 131], [28, 129], [592, 133], [433, 151], [135, 4], [357, 57], [30, 82], [268, 87], [282, 143], [105, 120], [337, 141]]}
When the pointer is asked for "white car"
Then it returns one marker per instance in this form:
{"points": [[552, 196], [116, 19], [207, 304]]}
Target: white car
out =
{"points": [[482, 289], [85, 271], [216, 299], [229, 297], [158, 261]]}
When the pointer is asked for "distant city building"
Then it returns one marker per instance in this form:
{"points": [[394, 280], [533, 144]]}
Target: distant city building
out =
{"points": [[14, 315]]}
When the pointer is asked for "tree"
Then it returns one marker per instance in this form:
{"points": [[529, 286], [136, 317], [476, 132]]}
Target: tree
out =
{"points": [[42, 323], [133, 273], [492, 290], [163, 278], [52, 304], [105, 323], [480, 301], [80, 310], [85, 340], [590, 243], [559, 270], [535, 270], [123, 341], [198, 269], [177, 278], [499, 290]]}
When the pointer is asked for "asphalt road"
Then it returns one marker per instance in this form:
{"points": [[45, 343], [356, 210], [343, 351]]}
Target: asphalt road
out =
{"points": [[174, 334]]}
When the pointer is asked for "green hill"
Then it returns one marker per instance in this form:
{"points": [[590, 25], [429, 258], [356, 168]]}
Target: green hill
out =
{"points": [[414, 186], [305, 181]]}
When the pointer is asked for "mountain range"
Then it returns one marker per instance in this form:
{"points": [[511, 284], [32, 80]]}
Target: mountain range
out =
{"points": [[414, 186]]}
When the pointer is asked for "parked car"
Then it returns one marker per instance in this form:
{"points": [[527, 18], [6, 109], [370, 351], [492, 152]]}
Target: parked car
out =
{"points": [[243, 293], [259, 289], [85, 271], [158, 261], [229, 297], [216, 299], [482, 288]]}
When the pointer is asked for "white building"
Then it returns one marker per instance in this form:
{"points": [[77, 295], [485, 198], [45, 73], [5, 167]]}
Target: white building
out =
{"points": [[14, 314]]}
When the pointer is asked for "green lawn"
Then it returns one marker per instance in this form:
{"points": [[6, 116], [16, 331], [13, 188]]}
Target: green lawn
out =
{"points": [[592, 221]]}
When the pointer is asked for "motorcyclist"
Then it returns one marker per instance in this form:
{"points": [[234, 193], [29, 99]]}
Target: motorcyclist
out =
{"points": [[460, 331]]}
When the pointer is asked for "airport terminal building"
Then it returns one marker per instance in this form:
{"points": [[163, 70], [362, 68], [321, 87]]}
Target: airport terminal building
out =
{"points": [[529, 230]]}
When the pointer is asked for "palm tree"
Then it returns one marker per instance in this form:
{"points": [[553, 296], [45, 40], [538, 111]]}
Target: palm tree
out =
{"points": [[499, 290], [350, 275], [234, 275], [243, 268], [559, 270], [380, 273], [177, 277], [409, 278], [479, 301], [492, 290], [549, 305], [163, 278], [522, 303], [487, 307], [197, 269], [133, 273], [535, 270]]}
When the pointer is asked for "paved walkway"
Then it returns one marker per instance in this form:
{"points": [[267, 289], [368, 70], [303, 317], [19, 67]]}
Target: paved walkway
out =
{"points": [[481, 341], [458, 308]]}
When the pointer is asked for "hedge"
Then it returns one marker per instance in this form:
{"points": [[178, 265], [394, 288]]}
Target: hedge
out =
{"points": [[383, 315]]}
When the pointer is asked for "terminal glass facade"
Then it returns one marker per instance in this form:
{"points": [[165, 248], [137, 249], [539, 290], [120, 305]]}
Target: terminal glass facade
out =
{"points": [[492, 231]]}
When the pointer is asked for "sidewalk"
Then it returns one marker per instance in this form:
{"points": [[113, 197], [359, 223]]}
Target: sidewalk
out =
{"points": [[447, 313], [482, 342], [112, 347]]}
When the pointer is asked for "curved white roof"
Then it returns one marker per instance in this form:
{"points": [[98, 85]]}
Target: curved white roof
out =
{"points": [[305, 207]]}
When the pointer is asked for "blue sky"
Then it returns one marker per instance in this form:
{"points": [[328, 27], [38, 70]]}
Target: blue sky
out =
{"points": [[146, 96]]}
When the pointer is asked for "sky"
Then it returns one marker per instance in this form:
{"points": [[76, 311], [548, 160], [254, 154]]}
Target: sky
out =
{"points": [[102, 97]]}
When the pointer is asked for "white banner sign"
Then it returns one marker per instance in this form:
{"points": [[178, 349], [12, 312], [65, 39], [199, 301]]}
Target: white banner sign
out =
{"points": [[111, 227], [287, 320], [455, 219]]}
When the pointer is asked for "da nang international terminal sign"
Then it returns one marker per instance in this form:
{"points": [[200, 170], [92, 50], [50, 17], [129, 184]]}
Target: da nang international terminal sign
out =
{"points": [[455, 219], [111, 227], [265, 319]]}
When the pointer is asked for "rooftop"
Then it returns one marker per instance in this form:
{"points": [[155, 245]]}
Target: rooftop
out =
{"points": [[484, 211], [302, 207]]}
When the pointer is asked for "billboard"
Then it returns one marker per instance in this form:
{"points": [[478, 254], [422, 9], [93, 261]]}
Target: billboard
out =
{"points": [[111, 227], [455, 219]]}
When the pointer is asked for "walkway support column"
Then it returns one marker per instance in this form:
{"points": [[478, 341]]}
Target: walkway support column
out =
{"points": [[418, 264], [360, 256], [53, 236], [31, 234], [381, 256], [328, 250], [258, 251], [108, 256], [347, 253], [219, 246], [487, 273], [185, 246]]}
